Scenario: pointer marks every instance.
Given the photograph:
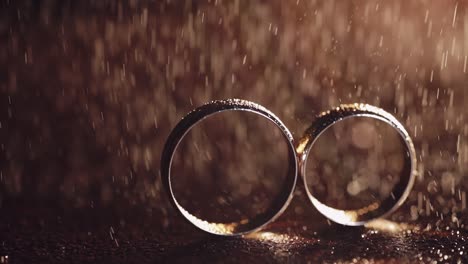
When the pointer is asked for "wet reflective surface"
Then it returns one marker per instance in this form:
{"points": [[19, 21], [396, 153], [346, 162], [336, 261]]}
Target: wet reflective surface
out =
{"points": [[89, 91], [88, 238]]}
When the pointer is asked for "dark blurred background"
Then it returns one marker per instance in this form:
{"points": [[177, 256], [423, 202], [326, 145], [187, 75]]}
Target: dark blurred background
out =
{"points": [[89, 91]]}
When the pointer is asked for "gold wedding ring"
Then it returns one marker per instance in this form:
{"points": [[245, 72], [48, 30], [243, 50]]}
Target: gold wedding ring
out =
{"points": [[376, 209], [280, 202]]}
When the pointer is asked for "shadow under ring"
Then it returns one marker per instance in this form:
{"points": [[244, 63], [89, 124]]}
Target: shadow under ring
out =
{"points": [[374, 210], [244, 226]]}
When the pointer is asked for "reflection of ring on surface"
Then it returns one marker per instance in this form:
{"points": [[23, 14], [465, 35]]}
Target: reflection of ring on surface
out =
{"points": [[377, 209], [279, 204]]}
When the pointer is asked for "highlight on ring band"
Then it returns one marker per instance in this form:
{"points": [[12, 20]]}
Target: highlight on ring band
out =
{"points": [[226, 157], [358, 163]]}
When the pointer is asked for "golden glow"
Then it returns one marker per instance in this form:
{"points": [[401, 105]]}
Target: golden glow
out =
{"points": [[302, 145], [214, 228], [269, 236], [347, 217], [387, 226], [339, 216]]}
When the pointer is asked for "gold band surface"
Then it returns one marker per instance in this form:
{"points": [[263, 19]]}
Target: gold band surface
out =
{"points": [[247, 225], [377, 209]]}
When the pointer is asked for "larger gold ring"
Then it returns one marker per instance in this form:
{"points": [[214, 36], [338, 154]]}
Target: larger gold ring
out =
{"points": [[280, 202]]}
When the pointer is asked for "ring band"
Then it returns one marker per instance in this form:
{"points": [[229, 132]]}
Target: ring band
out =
{"points": [[377, 209], [244, 226]]}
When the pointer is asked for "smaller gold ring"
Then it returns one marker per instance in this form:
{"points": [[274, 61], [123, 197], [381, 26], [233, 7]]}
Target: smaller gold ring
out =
{"points": [[377, 209]]}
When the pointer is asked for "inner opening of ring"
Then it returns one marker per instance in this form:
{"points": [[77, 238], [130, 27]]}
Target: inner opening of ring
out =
{"points": [[357, 164], [231, 168]]}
